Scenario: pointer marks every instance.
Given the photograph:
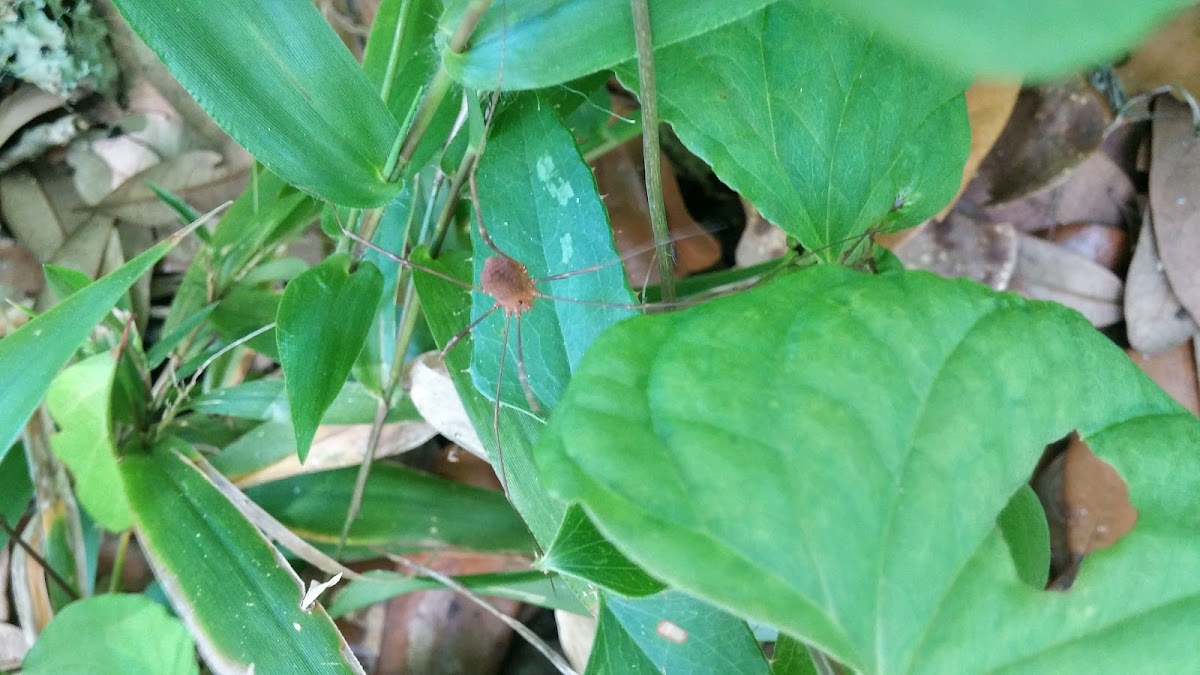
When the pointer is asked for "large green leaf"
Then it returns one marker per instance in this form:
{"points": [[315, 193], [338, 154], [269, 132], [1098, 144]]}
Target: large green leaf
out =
{"points": [[78, 400], [538, 43], [829, 454], [113, 635], [1041, 39], [580, 550], [824, 127], [39, 348], [236, 594], [402, 510], [539, 203], [322, 324], [275, 76]]}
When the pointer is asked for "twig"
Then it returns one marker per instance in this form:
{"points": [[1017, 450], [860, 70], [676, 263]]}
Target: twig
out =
{"points": [[46, 567]]}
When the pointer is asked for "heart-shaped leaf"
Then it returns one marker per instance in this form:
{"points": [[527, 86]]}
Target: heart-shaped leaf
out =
{"points": [[828, 130], [829, 453], [581, 551], [322, 324], [539, 204]]}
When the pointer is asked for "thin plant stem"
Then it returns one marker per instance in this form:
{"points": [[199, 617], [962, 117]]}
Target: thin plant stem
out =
{"points": [[650, 147], [364, 471], [114, 583], [37, 558]]}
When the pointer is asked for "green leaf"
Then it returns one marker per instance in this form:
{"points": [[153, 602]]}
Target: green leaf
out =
{"points": [[235, 592], [538, 43], [323, 321], [113, 634], [39, 348], [1023, 524], [1038, 39], [162, 348], [791, 657], [402, 510], [829, 454], [275, 76], [16, 488], [820, 124], [614, 650], [680, 634], [531, 587], [79, 401], [539, 203], [581, 551]]}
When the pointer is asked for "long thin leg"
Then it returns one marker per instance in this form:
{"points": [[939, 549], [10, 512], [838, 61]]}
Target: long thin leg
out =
{"points": [[496, 408], [405, 262], [521, 374], [483, 233], [452, 342]]}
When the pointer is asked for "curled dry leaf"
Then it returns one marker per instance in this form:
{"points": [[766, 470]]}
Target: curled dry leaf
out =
{"points": [[1175, 371], [433, 394], [1154, 318], [961, 246], [576, 634], [1052, 129], [761, 240], [337, 446], [1047, 271], [23, 106], [1175, 197], [1096, 191], [989, 105]]}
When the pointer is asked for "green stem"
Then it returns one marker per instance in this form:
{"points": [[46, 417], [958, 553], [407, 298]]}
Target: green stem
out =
{"points": [[114, 583], [658, 212]]}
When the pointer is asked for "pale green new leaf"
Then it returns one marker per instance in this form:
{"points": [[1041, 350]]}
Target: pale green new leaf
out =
{"points": [[825, 128], [112, 635], [277, 78], [78, 401], [829, 454]]}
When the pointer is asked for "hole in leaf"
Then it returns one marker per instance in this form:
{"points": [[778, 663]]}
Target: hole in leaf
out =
{"points": [[1086, 504]]}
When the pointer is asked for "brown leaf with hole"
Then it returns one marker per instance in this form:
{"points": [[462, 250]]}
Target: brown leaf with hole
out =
{"points": [[1096, 191], [1096, 498], [1166, 56], [620, 179], [1047, 271], [961, 246], [1155, 320], [1175, 371], [1053, 128], [989, 105], [1175, 197]]}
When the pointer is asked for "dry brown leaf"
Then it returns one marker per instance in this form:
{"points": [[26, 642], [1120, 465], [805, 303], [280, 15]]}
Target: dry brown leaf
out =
{"points": [[1175, 198], [200, 177], [337, 446], [441, 632], [20, 273], [13, 647], [25, 204], [989, 105], [619, 178], [1166, 56], [1047, 271], [576, 634], [432, 393], [1096, 501], [761, 240], [1052, 129], [1154, 318], [1175, 371], [1096, 191], [1102, 244], [961, 246]]}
